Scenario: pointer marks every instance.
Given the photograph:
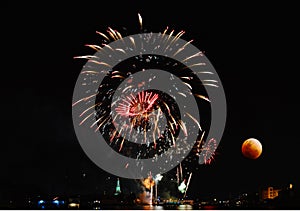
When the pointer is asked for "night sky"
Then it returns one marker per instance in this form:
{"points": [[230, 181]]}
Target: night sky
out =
{"points": [[250, 45]]}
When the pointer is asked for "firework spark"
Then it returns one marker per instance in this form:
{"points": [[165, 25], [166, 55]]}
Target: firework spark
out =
{"points": [[187, 185], [140, 21]]}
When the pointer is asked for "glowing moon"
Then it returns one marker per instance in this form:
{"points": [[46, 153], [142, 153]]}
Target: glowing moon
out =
{"points": [[251, 148]]}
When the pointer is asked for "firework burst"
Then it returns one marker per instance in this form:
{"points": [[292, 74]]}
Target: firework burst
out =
{"points": [[135, 120], [208, 151], [138, 109]]}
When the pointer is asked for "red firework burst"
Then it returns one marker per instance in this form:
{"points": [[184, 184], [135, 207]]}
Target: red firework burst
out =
{"points": [[208, 151], [138, 108]]}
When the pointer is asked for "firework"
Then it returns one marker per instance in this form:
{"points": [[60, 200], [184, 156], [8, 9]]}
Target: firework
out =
{"points": [[182, 186], [135, 120], [148, 182], [187, 185], [208, 151], [138, 109]]}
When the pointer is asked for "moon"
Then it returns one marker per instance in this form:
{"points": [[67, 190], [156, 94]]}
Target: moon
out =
{"points": [[251, 148]]}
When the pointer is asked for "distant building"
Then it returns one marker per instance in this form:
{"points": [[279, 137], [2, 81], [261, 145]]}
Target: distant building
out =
{"points": [[118, 187], [270, 193]]}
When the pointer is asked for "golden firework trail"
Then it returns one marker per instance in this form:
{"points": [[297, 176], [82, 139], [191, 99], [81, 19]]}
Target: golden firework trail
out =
{"points": [[140, 21], [202, 97]]}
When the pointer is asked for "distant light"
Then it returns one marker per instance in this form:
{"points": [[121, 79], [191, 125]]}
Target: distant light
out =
{"points": [[73, 205], [56, 202], [158, 207], [41, 202], [291, 186]]}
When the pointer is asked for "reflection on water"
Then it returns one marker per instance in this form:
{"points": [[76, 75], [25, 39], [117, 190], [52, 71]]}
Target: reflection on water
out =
{"points": [[170, 207], [185, 207], [153, 207]]}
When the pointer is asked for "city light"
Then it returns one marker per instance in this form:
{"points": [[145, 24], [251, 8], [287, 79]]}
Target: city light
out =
{"points": [[41, 202], [56, 202]]}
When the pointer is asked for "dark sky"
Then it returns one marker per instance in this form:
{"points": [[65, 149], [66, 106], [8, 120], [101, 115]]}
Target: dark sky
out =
{"points": [[250, 45]]}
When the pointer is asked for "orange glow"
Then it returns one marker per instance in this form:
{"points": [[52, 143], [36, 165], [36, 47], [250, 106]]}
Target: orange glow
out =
{"points": [[148, 183]]}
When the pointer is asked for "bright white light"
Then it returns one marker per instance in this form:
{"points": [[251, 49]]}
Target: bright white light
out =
{"points": [[73, 205], [56, 202], [158, 177], [41, 201], [182, 187]]}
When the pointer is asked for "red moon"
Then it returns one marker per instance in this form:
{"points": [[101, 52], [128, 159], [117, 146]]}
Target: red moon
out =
{"points": [[251, 148]]}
